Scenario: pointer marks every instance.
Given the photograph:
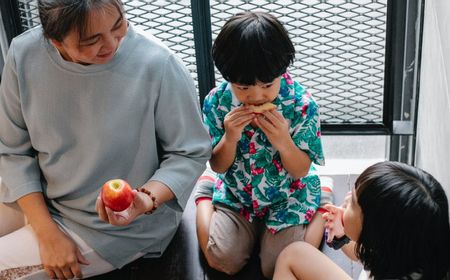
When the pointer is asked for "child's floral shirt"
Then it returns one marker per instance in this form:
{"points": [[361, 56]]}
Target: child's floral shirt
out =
{"points": [[256, 185]]}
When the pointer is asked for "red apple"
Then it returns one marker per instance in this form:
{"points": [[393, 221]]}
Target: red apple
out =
{"points": [[117, 194]]}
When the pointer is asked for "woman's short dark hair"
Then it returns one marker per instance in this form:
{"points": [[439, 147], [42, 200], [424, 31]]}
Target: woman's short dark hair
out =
{"points": [[251, 47], [59, 17], [405, 222]]}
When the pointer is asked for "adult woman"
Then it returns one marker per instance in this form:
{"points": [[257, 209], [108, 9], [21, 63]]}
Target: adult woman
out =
{"points": [[85, 98], [397, 217]]}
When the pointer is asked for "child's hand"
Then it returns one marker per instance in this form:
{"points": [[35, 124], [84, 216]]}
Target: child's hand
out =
{"points": [[235, 121], [333, 221], [276, 128]]}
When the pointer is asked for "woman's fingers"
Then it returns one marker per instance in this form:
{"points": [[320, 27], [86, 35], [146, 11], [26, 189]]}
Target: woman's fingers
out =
{"points": [[67, 272], [100, 207], [59, 274], [76, 269], [81, 259], [51, 274]]}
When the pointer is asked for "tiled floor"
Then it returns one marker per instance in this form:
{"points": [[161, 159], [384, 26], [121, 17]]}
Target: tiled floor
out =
{"points": [[182, 260]]}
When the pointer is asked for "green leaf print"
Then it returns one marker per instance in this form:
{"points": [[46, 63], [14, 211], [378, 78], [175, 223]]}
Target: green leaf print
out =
{"points": [[300, 195], [259, 195], [256, 179], [240, 175], [292, 218]]}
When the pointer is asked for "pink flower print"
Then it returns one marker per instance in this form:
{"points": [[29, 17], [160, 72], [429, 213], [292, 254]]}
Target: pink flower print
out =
{"points": [[252, 149], [272, 231], [304, 109], [249, 133], [219, 185], [255, 204], [319, 134], [296, 185], [256, 171], [309, 214], [213, 91], [287, 78], [277, 165], [244, 213], [261, 213], [248, 189]]}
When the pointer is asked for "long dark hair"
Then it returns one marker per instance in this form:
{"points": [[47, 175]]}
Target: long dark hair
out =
{"points": [[59, 17], [405, 222], [251, 47]]}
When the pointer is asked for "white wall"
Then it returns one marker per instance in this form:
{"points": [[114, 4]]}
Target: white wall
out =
{"points": [[433, 131]]}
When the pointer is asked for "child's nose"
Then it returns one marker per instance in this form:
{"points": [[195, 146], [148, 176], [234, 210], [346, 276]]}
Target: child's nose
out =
{"points": [[257, 97]]}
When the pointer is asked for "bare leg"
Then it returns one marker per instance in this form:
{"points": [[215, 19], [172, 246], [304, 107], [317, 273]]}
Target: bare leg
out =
{"points": [[205, 210], [315, 229], [302, 261]]}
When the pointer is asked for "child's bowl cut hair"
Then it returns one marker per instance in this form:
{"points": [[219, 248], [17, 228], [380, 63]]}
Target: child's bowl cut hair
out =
{"points": [[251, 47]]}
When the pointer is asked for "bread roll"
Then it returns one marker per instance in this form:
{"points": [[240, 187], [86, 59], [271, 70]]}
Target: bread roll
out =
{"points": [[264, 107]]}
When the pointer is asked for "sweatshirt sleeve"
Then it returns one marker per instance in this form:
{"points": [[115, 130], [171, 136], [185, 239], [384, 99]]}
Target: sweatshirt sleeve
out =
{"points": [[19, 170], [185, 143]]}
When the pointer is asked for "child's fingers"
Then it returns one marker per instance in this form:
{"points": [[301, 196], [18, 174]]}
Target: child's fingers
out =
{"points": [[235, 115], [330, 236], [274, 116], [241, 123], [331, 208], [328, 216], [268, 115], [264, 123]]}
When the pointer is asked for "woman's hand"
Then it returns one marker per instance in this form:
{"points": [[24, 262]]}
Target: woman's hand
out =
{"points": [[235, 121], [141, 204], [276, 128], [60, 255], [333, 221]]}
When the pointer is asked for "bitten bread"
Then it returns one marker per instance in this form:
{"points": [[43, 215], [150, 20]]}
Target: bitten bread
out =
{"points": [[264, 107]]}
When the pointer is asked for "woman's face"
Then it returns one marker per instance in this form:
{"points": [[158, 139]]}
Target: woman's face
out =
{"points": [[257, 94], [105, 31], [353, 217]]}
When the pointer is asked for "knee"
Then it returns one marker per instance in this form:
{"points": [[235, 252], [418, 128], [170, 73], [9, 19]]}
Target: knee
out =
{"points": [[229, 261]]}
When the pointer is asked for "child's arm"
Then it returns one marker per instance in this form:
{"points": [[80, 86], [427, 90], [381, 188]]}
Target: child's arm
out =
{"points": [[296, 162], [223, 155], [224, 152], [276, 128]]}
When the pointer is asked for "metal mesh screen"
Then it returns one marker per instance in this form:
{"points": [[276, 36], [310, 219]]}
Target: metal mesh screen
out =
{"points": [[340, 45]]}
